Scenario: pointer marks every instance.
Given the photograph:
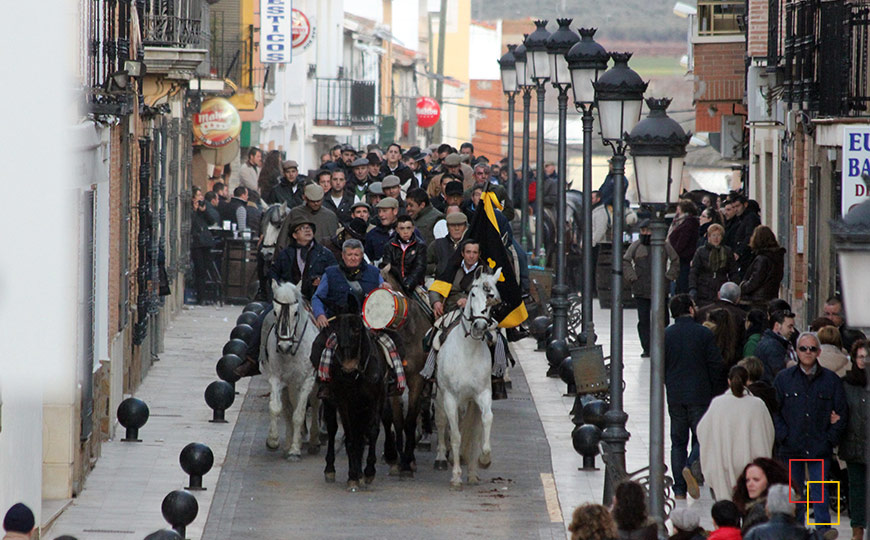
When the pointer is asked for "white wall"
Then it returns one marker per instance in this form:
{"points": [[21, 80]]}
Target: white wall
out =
{"points": [[484, 49]]}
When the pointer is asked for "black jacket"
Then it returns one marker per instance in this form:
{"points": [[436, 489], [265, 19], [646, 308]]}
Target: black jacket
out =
{"points": [[694, 371], [285, 192], [342, 209], [773, 351], [703, 280], [743, 233], [200, 236], [408, 265], [803, 423], [781, 527], [402, 171], [439, 254], [761, 281], [317, 259]]}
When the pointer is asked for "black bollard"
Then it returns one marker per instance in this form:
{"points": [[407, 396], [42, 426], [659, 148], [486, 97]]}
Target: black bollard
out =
{"points": [[248, 317], [219, 395], [585, 439], [163, 534], [236, 347], [255, 307], [179, 509], [225, 368], [566, 373], [538, 330], [132, 414], [243, 332], [593, 413], [196, 459], [557, 351]]}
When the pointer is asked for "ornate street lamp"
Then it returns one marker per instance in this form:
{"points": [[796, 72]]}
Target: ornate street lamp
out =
{"points": [[525, 83], [586, 60], [539, 60], [508, 66], [558, 44], [619, 94], [658, 146]]}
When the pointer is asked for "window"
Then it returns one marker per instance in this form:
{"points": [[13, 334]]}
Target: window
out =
{"points": [[720, 17]]}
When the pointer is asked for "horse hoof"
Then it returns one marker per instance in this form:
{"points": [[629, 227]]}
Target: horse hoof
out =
{"points": [[440, 465], [473, 480], [394, 469], [313, 450], [352, 486], [455, 486], [485, 461], [369, 480], [329, 477], [294, 458], [271, 446]]}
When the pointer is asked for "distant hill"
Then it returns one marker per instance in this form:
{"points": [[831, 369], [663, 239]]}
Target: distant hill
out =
{"points": [[626, 20]]}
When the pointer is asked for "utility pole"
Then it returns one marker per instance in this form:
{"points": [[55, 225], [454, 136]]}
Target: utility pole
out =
{"points": [[439, 85]]}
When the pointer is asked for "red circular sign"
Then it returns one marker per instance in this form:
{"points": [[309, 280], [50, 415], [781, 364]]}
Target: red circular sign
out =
{"points": [[301, 29], [428, 112]]}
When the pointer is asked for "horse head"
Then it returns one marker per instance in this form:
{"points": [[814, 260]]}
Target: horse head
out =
{"points": [[287, 304], [276, 214], [351, 343], [482, 297]]}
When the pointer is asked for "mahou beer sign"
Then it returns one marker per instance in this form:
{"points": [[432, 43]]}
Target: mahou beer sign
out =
{"points": [[428, 112], [217, 123]]}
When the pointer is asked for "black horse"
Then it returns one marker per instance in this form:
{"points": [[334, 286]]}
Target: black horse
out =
{"points": [[357, 393]]}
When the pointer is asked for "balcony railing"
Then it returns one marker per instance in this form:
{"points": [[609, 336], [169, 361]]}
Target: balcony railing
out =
{"points": [[720, 17], [344, 102], [175, 23]]}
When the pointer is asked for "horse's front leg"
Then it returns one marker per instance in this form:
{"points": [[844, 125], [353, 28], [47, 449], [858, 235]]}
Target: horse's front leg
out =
{"points": [[451, 410], [441, 428], [391, 454], [374, 429], [331, 429], [409, 460], [275, 410], [314, 426], [354, 429], [484, 403], [299, 408]]}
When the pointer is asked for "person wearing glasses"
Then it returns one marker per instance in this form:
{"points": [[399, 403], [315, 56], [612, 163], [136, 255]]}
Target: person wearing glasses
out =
{"points": [[811, 421]]}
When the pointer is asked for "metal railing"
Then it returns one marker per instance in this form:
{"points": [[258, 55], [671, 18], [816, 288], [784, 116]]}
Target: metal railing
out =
{"points": [[344, 102], [173, 31], [720, 17]]}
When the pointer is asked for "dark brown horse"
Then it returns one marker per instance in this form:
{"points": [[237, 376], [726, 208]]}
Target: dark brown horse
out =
{"points": [[400, 427], [357, 392]]}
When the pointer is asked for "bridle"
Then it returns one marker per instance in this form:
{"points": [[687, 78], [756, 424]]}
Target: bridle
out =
{"points": [[295, 337], [364, 358], [467, 320]]}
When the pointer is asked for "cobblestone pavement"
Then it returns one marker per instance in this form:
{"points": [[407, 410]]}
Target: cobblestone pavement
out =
{"points": [[260, 495]]}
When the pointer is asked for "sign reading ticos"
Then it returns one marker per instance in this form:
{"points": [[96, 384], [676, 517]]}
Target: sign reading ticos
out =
{"points": [[428, 112], [276, 31], [217, 123]]}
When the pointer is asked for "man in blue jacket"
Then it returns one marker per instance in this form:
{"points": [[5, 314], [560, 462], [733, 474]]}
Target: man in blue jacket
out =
{"points": [[774, 348], [811, 420], [304, 261], [694, 373]]}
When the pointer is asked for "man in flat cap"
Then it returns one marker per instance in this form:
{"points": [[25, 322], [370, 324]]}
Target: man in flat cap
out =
{"points": [[325, 220], [289, 189], [348, 154], [374, 194], [359, 181], [392, 188], [440, 251], [304, 260], [375, 162], [377, 238]]}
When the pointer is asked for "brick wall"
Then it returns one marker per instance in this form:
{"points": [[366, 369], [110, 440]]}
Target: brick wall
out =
{"points": [[720, 74], [757, 30], [491, 124]]}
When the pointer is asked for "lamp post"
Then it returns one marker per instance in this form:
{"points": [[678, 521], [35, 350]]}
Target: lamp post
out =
{"points": [[619, 93], [658, 146], [524, 81], [586, 60], [852, 242], [508, 66], [558, 44], [538, 59]]}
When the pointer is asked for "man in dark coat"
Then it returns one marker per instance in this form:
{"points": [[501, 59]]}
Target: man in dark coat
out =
{"points": [[694, 373], [289, 189], [392, 165], [377, 238], [406, 255], [304, 260], [358, 181], [748, 218], [325, 219], [810, 422], [424, 215], [781, 524], [442, 249], [339, 199], [727, 299], [201, 241], [774, 348], [392, 188]]}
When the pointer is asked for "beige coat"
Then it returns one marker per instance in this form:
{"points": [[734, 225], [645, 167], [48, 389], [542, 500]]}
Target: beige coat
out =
{"points": [[733, 432], [834, 359]]}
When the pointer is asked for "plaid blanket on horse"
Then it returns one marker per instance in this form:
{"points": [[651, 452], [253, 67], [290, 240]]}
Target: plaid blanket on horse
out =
{"points": [[385, 342]]}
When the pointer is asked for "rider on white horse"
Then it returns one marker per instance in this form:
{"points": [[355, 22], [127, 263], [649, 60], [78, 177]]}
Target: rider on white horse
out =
{"points": [[456, 298]]}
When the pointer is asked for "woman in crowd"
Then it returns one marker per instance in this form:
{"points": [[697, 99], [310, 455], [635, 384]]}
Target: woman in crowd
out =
{"points": [[736, 429], [630, 513], [750, 492], [724, 333], [764, 274], [712, 265], [683, 237], [757, 386], [592, 522], [709, 217], [854, 441], [271, 173], [756, 323], [833, 356]]}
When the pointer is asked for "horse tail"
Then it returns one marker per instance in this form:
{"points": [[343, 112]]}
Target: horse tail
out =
{"points": [[471, 431]]}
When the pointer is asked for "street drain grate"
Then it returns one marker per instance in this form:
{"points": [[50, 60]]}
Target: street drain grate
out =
{"points": [[107, 531]]}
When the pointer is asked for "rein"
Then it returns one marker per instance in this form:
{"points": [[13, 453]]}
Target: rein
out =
{"points": [[472, 318], [295, 337]]}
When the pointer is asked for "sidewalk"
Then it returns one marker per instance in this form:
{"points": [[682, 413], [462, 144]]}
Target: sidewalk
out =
{"points": [[576, 487], [122, 495]]}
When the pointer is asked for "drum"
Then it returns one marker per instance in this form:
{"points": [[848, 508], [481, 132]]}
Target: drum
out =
{"points": [[385, 308]]}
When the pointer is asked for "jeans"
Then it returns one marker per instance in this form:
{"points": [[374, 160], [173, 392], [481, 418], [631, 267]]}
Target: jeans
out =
{"points": [[821, 510], [684, 419], [857, 482], [643, 321]]}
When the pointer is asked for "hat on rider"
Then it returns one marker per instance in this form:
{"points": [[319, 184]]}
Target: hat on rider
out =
{"points": [[388, 202], [457, 218], [313, 192], [452, 160], [391, 180], [453, 188], [299, 221], [359, 162], [357, 228]]}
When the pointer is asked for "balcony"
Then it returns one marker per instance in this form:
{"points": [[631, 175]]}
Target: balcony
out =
{"points": [[344, 103], [720, 17], [174, 37]]}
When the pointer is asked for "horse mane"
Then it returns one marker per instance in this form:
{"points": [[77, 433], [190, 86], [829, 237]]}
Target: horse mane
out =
{"points": [[271, 230], [286, 293]]}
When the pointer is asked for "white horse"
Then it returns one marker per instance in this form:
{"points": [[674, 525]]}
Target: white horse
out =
{"points": [[464, 369], [273, 217], [288, 334]]}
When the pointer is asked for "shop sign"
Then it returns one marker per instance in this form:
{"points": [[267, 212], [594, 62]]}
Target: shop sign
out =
{"points": [[856, 166], [428, 112], [303, 30], [276, 31], [217, 123]]}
